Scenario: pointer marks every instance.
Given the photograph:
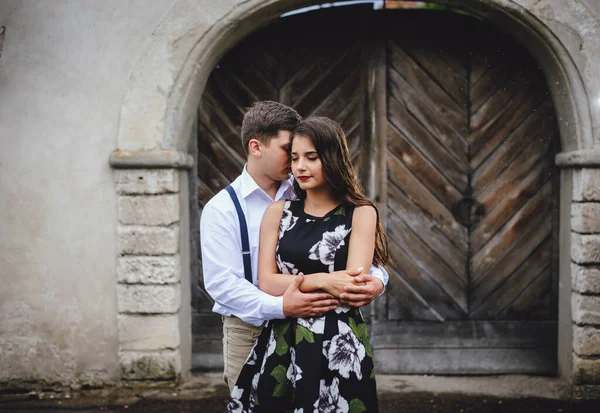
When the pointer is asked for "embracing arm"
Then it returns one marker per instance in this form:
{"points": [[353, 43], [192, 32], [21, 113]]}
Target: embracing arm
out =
{"points": [[269, 278], [223, 270]]}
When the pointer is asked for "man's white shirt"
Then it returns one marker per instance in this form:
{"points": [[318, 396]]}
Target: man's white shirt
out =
{"points": [[222, 263]]}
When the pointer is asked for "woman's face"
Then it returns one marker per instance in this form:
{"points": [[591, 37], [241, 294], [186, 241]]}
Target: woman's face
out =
{"points": [[306, 164]]}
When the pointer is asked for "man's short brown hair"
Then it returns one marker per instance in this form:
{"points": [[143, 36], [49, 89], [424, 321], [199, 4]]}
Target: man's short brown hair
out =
{"points": [[264, 119]]}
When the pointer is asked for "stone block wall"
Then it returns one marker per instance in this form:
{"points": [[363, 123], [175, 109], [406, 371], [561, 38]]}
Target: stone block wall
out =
{"points": [[148, 273], [585, 275]]}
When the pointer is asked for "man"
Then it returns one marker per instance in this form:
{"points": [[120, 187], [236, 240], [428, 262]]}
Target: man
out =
{"points": [[266, 133]]}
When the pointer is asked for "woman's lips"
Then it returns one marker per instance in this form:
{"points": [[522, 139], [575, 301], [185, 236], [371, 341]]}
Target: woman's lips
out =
{"points": [[303, 178]]}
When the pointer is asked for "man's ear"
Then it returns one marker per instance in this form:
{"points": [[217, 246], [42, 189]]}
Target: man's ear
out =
{"points": [[254, 147]]}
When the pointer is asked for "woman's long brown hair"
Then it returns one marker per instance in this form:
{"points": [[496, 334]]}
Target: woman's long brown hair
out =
{"points": [[331, 145]]}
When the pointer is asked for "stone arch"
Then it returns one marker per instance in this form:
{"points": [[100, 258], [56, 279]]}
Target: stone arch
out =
{"points": [[168, 81]]}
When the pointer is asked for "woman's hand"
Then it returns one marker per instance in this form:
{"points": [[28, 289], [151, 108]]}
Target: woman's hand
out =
{"points": [[335, 283]]}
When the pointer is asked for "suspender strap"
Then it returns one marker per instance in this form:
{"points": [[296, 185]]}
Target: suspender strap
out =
{"points": [[244, 231]]}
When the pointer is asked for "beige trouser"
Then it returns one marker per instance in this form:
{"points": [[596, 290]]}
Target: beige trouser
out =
{"points": [[238, 339]]}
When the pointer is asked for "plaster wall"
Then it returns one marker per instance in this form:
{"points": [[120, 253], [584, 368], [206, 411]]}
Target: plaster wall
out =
{"points": [[64, 70]]}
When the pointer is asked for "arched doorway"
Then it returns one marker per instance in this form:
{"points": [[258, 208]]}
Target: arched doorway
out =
{"points": [[452, 130]]}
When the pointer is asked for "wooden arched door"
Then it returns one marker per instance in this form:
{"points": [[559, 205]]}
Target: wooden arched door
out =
{"points": [[452, 130]]}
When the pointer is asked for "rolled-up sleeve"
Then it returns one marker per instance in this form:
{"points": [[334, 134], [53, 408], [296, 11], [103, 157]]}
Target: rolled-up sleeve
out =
{"points": [[382, 274], [223, 269]]}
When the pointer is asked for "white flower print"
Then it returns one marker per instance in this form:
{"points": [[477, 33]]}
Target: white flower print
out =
{"points": [[294, 372], [285, 267], [314, 324], [344, 352], [330, 400], [301, 410], [235, 404], [270, 350], [251, 360], [325, 249], [287, 220], [253, 390], [342, 309]]}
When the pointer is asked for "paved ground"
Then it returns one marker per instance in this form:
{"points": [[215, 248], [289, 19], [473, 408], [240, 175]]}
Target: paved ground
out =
{"points": [[406, 394]]}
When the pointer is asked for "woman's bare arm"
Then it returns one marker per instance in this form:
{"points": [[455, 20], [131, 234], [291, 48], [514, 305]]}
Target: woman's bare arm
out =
{"points": [[274, 283], [362, 238]]}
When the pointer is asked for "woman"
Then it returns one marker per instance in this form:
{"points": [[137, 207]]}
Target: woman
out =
{"points": [[320, 364]]}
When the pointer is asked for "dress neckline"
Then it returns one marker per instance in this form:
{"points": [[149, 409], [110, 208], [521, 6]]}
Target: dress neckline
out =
{"points": [[328, 214]]}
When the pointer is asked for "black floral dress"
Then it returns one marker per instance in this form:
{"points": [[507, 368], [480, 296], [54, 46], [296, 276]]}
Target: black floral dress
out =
{"points": [[320, 364]]}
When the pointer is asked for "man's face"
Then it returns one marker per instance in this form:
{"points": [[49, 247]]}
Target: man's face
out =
{"points": [[275, 156]]}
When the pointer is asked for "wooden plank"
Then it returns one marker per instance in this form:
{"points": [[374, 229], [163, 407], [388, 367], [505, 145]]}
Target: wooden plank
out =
{"points": [[328, 81], [428, 299], [424, 258], [485, 86], [212, 119], [422, 198], [233, 95], [538, 126], [430, 93], [536, 152], [431, 148], [427, 115], [464, 334], [487, 138], [309, 73], [428, 174], [453, 255], [454, 85], [495, 293], [465, 361], [521, 235], [506, 98], [204, 193], [403, 302], [534, 302], [509, 201], [210, 175], [341, 101]]}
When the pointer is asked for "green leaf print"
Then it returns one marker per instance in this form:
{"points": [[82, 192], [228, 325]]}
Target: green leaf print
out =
{"points": [[372, 376], [281, 347], [280, 390], [304, 333], [282, 328], [357, 406], [360, 330], [340, 211], [279, 373]]}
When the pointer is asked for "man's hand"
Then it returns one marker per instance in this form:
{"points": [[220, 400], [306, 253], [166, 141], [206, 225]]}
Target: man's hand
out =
{"points": [[298, 304], [360, 295]]}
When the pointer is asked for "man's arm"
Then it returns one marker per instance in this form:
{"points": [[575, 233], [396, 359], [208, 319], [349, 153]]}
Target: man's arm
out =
{"points": [[223, 270], [224, 277]]}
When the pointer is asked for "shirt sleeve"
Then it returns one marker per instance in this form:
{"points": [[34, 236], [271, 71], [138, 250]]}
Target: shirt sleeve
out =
{"points": [[223, 269], [382, 274]]}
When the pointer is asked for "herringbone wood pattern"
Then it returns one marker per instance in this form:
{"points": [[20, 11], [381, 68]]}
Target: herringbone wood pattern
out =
{"points": [[468, 118]]}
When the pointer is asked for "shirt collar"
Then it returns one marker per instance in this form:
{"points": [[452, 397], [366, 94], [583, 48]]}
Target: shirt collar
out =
{"points": [[248, 186]]}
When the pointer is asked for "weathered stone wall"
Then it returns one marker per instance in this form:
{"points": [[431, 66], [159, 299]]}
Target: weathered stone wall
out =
{"points": [[149, 273], [585, 275]]}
